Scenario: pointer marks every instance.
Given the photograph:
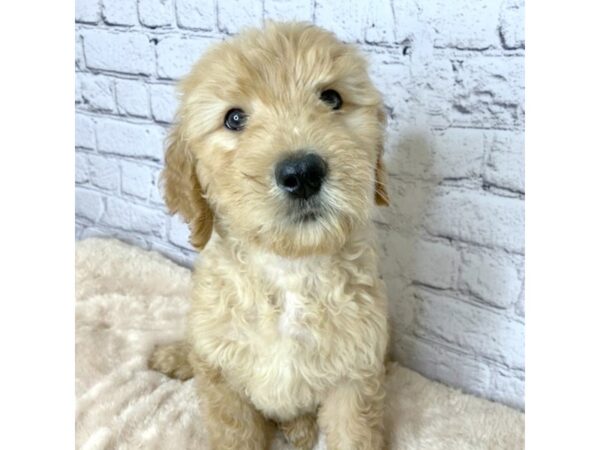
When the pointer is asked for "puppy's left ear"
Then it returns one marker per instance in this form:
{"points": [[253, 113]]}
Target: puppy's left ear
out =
{"points": [[183, 192], [381, 195]]}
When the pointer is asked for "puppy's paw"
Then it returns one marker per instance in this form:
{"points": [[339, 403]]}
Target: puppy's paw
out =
{"points": [[302, 432], [172, 360]]}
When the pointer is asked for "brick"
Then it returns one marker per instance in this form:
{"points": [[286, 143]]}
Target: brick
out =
{"points": [[104, 172], [458, 153], [123, 235], [135, 218], [492, 276], [97, 92], [396, 253], [82, 170], [431, 263], [89, 232], [87, 11], [402, 304], [393, 77], [408, 23], [179, 233], [463, 24], [156, 195], [487, 92], [347, 19], [379, 22], [235, 16], [120, 12], [88, 204], [439, 363], [164, 102], [78, 230], [129, 52], [505, 162], [79, 58], [409, 201], [408, 151], [78, 93], [512, 20], [85, 135], [434, 79], [136, 179], [155, 13], [132, 98], [196, 15], [520, 306], [474, 217], [507, 387], [130, 139], [473, 330], [435, 264], [176, 55], [451, 154], [301, 10]]}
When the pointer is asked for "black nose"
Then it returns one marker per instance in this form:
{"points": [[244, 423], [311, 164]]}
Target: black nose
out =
{"points": [[301, 175]]}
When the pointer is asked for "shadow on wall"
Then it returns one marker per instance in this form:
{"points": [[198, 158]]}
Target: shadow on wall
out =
{"points": [[419, 268], [450, 302], [400, 225]]}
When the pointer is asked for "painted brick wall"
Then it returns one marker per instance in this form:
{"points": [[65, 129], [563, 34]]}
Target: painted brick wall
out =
{"points": [[452, 77]]}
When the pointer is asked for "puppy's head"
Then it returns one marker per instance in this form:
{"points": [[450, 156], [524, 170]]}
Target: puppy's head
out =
{"points": [[277, 142]]}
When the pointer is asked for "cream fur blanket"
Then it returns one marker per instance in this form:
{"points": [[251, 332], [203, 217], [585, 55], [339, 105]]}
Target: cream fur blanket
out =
{"points": [[129, 299]]}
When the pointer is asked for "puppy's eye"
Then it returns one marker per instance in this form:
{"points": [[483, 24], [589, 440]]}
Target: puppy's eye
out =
{"points": [[235, 119], [332, 98]]}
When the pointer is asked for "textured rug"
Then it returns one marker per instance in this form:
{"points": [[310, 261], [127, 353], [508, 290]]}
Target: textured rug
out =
{"points": [[129, 299]]}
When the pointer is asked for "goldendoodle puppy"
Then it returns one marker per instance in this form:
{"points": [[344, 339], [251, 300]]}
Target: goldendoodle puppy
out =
{"points": [[275, 164]]}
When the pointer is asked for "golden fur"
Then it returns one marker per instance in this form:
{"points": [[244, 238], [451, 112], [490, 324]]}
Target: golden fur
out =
{"points": [[288, 322]]}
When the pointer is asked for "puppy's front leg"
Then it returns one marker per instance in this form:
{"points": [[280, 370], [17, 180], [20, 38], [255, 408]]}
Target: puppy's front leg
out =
{"points": [[352, 415], [301, 432], [232, 422]]}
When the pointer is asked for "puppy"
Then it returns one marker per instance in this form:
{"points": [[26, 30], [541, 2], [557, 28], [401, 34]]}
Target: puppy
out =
{"points": [[275, 164]]}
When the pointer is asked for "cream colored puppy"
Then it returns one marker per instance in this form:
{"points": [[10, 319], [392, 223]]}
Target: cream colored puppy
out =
{"points": [[275, 163]]}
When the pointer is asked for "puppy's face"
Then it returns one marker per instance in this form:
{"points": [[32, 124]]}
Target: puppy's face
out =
{"points": [[278, 140]]}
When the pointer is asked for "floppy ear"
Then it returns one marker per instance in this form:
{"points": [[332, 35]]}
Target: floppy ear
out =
{"points": [[182, 190], [381, 196]]}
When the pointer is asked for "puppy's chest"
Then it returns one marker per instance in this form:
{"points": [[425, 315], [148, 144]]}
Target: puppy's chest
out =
{"points": [[296, 297], [293, 316], [285, 332]]}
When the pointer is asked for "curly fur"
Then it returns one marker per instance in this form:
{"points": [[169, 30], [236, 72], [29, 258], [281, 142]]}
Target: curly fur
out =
{"points": [[288, 321]]}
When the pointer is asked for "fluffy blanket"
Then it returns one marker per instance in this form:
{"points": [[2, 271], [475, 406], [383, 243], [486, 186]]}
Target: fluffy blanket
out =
{"points": [[129, 299]]}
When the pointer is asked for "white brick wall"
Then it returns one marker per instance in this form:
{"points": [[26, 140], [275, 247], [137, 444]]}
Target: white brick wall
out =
{"points": [[452, 77]]}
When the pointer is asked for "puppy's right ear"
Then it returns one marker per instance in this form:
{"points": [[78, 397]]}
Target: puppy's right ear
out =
{"points": [[182, 190], [381, 195]]}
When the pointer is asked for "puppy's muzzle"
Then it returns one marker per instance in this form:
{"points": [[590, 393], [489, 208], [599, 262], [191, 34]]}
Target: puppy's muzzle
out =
{"points": [[301, 175]]}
